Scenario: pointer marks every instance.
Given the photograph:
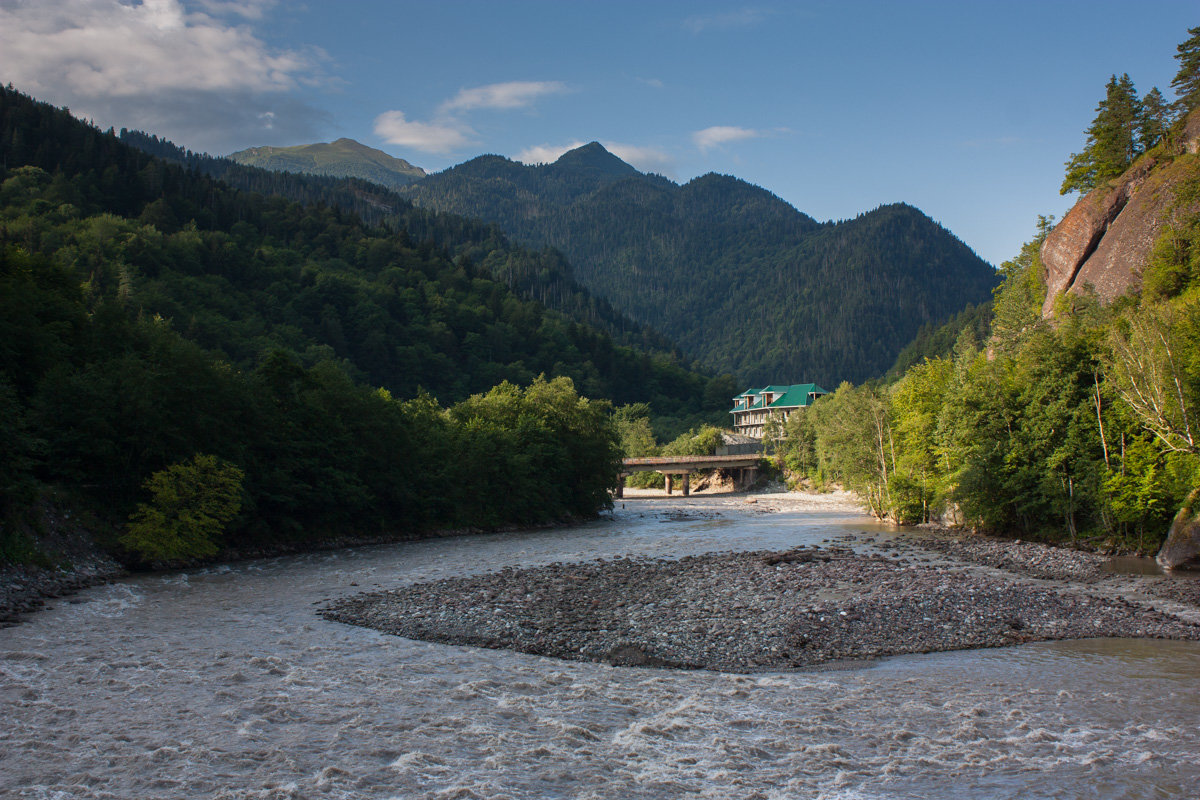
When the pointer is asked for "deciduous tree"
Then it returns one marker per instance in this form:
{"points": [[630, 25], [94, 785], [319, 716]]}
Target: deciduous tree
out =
{"points": [[190, 505]]}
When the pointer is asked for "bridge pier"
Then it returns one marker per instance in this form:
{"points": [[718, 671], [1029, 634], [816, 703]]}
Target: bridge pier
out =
{"points": [[685, 480]]}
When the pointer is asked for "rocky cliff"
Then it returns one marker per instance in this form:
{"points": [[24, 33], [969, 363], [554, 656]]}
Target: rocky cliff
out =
{"points": [[1104, 241]]}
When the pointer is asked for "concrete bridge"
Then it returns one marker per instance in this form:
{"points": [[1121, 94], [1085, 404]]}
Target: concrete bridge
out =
{"points": [[669, 466]]}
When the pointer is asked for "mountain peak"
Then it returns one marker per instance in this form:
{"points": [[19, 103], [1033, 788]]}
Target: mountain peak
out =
{"points": [[344, 157], [594, 158]]}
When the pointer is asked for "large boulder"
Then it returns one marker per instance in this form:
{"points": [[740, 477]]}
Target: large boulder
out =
{"points": [[1182, 548]]}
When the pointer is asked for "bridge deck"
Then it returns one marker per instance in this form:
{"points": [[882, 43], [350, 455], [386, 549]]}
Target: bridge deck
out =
{"points": [[684, 463]]}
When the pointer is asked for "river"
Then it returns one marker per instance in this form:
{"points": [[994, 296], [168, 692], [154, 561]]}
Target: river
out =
{"points": [[224, 683]]}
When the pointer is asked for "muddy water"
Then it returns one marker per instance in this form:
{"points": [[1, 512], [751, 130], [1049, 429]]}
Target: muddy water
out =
{"points": [[223, 683]]}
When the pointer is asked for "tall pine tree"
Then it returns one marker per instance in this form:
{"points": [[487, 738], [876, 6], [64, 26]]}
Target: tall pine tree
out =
{"points": [[1112, 141], [1186, 82], [1155, 119]]}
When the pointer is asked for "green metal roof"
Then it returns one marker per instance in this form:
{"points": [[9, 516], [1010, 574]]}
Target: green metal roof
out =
{"points": [[800, 394], [793, 396]]}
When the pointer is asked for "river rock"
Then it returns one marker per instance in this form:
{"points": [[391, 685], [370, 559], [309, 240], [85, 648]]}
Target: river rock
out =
{"points": [[1182, 547]]}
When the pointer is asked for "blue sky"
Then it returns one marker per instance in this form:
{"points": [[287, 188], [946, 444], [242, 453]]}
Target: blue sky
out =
{"points": [[964, 109]]}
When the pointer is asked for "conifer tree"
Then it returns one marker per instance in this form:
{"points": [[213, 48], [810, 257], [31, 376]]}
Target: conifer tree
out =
{"points": [[1112, 141], [1155, 119], [1186, 82]]}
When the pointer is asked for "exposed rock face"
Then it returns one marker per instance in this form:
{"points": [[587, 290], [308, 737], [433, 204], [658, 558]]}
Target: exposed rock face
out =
{"points": [[1182, 547], [1104, 241], [1070, 246], [1191, 134]]}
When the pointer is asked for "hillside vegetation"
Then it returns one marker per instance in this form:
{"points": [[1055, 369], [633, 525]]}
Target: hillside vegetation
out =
{"points": [[742, 280], [283, 358], [542, 275], [1076, 425]]}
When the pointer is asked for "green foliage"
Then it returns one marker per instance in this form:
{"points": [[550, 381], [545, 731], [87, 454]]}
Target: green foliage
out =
{"points": [[1155, 119], [798, 450], [937, 341], [1017, 307], [1174, 264], [634, 430], [1153, 362], [537, 454], [739, 278], [190, 505], [854, 442], [148, 313], [1135, 490], [918, 485], [1112, 139], [1076, 431], [1186, 82], [1081, 430], [702, 442]]}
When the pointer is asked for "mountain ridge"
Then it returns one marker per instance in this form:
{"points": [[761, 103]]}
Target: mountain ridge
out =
{"points": [[742, 279]]}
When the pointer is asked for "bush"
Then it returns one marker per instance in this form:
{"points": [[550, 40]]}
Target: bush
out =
{"points": [[191, 503]]}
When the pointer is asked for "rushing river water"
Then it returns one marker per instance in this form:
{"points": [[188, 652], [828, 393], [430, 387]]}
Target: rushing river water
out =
{"points": [[224, 683]]}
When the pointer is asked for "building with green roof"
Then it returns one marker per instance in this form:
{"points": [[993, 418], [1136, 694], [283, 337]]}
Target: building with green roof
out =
{"points": [[753, 407]]}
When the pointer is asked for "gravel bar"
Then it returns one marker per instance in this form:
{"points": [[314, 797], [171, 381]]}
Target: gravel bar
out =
{"points": [[748, 612]]}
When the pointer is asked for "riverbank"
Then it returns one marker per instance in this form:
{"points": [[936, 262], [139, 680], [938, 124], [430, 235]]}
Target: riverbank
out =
{"points": [[80, 563], [772, 610]]}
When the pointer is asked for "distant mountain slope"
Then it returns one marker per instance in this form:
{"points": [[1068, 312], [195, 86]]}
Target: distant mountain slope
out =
{"points": [[543, 275], [344, 158], [741, 279], [424, 300]]}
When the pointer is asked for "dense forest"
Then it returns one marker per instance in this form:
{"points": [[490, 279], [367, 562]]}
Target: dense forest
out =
{"points": [[178, 350], [1078, 426], [738, 277], [542, 275]]}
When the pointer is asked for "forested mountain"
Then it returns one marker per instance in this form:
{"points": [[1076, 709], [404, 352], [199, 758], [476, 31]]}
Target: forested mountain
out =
{"points": [[742, 280], [160, 329], [542, 275], [344, 158]]}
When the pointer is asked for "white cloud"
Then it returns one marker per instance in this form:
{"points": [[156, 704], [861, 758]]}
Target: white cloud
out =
{"points": [[250, 9], [721, 134], [743, 18], [428, 137], [655, 83], [647, 159], [448, 131], [513, 94], [190, 75], [546, 153], [105, 48]]}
